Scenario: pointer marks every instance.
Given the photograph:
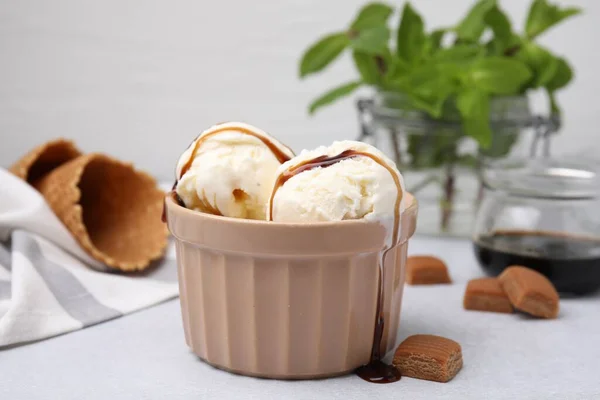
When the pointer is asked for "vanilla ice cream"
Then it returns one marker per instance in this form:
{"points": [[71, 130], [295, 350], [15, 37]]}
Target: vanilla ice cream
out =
{"points": [[338, 182], [230, 170]]}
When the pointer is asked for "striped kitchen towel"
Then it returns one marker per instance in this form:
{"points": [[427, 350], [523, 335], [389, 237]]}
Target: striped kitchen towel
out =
{"points": [[49, 286]]}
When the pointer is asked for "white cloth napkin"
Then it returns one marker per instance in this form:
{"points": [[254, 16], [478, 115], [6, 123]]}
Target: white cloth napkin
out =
{"points": [[49, 286]]}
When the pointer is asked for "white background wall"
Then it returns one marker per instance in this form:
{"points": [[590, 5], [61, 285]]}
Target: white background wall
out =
{"points": [[139, 79]]}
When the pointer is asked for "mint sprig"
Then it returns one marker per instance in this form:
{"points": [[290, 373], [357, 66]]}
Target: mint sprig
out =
{"points": [[463, 66]]}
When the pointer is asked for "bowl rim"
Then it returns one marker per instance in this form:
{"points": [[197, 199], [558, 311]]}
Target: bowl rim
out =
{"points": [[188, 213]]}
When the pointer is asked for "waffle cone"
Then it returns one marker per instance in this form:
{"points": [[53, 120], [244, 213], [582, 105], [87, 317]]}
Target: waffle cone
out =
{"points": [[43, 159], [111, 209]]}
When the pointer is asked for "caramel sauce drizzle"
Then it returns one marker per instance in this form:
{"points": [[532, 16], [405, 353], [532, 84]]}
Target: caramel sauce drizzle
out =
{"points": [[280, 155], [207, 207], [173, 194], [327, 161]]}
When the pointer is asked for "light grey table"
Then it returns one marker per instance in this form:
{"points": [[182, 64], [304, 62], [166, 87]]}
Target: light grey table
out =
{"points": [[143, 356]]}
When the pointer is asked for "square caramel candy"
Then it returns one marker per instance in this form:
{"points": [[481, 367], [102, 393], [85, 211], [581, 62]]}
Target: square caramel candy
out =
{"points": [[486, 294], [429, 357], [426, 270], [530, 291]]}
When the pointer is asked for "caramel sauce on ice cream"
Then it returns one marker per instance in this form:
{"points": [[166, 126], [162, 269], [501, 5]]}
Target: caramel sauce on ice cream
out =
{"points": [[279, 155], [327, 161], [204, 201]]}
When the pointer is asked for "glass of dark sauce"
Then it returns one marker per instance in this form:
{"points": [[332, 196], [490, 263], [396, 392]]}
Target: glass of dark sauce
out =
{"points": [[543, 214]]}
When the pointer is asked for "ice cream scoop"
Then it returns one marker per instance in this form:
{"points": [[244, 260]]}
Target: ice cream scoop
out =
{"points": [[347, 180], [229, 170]]}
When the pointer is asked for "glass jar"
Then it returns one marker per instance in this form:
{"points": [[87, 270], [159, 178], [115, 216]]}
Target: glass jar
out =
{"points": [[542, 214], [440, 164]]}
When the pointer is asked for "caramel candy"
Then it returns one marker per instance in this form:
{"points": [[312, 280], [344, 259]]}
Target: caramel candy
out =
{"points": [[486, 294], [429, 357], [530, 291], [426, 270]]}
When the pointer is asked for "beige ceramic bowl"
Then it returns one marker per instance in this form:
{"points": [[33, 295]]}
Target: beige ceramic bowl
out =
{"points": [[287, 301]]}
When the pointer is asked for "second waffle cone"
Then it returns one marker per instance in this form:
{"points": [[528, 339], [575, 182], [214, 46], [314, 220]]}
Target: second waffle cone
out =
{"points": [[111, 209]]}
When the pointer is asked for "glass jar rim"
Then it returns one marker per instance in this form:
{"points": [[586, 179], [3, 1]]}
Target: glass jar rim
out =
{"points": [[389, 107], [547, 178]]}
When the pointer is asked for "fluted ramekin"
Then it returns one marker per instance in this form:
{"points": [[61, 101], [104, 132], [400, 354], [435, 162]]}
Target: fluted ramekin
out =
{"points": [[286, 301]]}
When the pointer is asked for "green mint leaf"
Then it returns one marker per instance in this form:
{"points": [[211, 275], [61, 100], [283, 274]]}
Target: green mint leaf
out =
{"points": [[561, 78], [505, 48], [499, 75], [321, 54], [372, 15], [460, 53], [473, 25], [562, 75], [371, 67], [427, 77], [436, 37], [431, 96], [547, 72], [370, 40], [541, 62], [429, 87], [333, 95], [500, 25], [411, 36], [543, 15], [433, 42], [432, 104], [474, 107], [503, 140], [398, 70]]}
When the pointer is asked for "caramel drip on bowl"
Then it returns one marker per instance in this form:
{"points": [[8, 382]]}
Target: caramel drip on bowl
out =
{"points": [[173, 194]]}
